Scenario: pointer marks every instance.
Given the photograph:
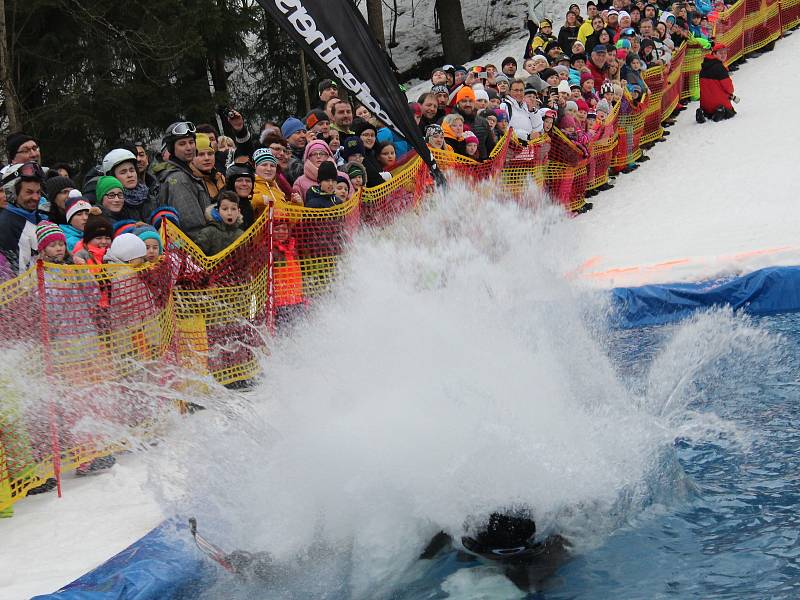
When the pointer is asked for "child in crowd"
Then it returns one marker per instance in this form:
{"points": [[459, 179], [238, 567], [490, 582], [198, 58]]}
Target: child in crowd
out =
{"points": [[126, 249], [152, 241], [289, 301], [357, 174], [52, 244], [471, 145], [224, 224], [77, 214], [97, 235], [323, 195], [386, 155], [342, 188]]}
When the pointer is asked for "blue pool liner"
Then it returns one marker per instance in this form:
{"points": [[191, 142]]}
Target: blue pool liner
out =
{"points": [[163, 565], [767, 291]]}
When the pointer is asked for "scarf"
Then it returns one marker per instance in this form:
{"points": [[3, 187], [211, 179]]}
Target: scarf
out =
{"points": [[136, 196]]}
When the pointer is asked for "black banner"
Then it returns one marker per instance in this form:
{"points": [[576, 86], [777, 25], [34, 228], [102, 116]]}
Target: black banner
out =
{"points": [[335, 33]]}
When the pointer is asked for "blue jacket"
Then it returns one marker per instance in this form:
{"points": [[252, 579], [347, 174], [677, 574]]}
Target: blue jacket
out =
{"points": [[401, 146], [73, 236], [315, 198]]}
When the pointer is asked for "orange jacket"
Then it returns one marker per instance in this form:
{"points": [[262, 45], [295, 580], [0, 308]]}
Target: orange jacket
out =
{"points": [[287, 273]]}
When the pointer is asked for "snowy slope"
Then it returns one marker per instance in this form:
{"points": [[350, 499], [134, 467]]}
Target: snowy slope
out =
{"points": [[716, 198], [52, 541]]}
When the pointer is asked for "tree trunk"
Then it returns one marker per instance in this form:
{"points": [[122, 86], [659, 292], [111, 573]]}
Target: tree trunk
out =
{"points": [[375, 20], [456, 45], [13, 110]]}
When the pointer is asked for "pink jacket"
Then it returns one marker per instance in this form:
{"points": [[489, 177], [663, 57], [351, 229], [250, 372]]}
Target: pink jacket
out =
{"points": [[309, 177]]}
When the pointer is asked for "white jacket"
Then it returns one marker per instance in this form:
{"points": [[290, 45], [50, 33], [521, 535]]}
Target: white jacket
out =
{"points": [[522, 120]]}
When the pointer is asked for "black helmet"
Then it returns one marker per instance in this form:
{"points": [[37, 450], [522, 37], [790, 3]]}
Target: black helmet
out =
{"points": [[234, 172], [506, 535], [176, 131]]}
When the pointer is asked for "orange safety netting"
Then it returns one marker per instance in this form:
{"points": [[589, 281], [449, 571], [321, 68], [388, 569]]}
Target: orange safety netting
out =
{"points": [[70, 329]]}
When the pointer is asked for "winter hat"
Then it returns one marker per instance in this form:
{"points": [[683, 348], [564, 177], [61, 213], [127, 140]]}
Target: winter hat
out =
{"points": [[317, 145], [567, 121], [124, 226], [631, 57], [599, 49], [147, 232], [561, 69], [465, 93], [48, 232], [603, 105], [325, 84], [291, 126], [416, 108], [105, 184], [571, 105], [582, 105], [203, 142], [545, 23], [316, 116], [481, 95], [578, 56], [546, 74], [125, 248], [432, 130], [563, 86], [361, 126], [623, 44], [169, 213], [97, 226], [354, 169], [586, 77], [501, 115], [470, 138], [501, 77], [327, 170], [14, 141], [491, 93], [264, 155], [439, 89], [74, 205], [607, 87], [351, 145], [460, 69], [632, 87], [54, 185]]}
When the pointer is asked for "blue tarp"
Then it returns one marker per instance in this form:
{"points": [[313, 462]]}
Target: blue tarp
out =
{"points": [[768, 291], [163, 565]]}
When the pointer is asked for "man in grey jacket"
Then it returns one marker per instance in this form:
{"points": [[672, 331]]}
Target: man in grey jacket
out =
{"points": [[177, 186]]}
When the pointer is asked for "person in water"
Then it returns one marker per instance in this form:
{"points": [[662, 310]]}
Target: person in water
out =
{"points": [[507, 538]]}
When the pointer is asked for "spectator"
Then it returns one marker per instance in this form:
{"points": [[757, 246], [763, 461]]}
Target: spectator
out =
{"points": [[453, 128], [178, 186], [97, 235], [434, 136], [368, 135], [465, 106], [280, 149], [317, 153], [19, 218], [294, 132], [386, 155], [539, 40], [22, 148], [342, 117], [289, 301], [568, 34], [598, 66], [152, 242], [126, 249], [57, 189], [223, 227], [323, 195], [121, 164], [357, 174], [203, 166], [519, 115], [78, 211], [111, 198], [509, 67], [266, 188], [328, 89], [716, 87], [142, 164], [52, 244], [240, 180]]}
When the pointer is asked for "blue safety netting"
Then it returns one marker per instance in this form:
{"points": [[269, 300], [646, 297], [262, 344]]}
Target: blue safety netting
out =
{"points": [[163, 565], [768, 291]]}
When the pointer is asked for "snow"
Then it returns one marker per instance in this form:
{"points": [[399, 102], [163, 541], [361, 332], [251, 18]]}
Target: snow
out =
{"points": [[715, 198], [52, 541]]}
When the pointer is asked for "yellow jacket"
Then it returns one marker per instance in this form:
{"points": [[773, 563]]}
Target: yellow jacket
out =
{"points": [[263, 192]]}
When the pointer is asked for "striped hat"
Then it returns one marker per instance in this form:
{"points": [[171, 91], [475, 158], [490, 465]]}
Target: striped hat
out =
{"points": [[74, 205], [124, 226], [48, 232], [263, 155], [169, 213]]}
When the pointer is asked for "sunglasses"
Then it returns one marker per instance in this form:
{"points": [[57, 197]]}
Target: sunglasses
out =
{"points": [[182, 128]]}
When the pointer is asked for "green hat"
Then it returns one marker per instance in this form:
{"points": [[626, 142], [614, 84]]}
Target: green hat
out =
{"points": [[104, 185]]}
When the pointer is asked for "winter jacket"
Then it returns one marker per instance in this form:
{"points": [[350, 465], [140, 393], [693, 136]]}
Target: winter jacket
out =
{"points": [[309, 177], [216, 236], [522, 120], [316, 198], [18, 237], [599, 75], [480, 127], [213, 180], [456, 143], [401, 146], [584, 31], [566, 37], [716, 87], [179, 188], [263, 192], [287, 273], [73, 236], [536, 83]]}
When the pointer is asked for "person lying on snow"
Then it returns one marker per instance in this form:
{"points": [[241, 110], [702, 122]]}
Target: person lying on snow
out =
{"points": [[507, 538], [716, 87]]}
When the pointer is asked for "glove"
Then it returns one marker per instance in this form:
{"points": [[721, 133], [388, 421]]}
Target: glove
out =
{"points": [[386, 175], [735, 99]]}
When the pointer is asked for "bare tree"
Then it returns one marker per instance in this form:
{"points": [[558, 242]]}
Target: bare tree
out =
{"points": [[375, 20], [9, 92]]}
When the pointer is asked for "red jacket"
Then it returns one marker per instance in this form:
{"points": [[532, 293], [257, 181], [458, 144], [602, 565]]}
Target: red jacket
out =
{"points": [[716, 86], [599, 75]]}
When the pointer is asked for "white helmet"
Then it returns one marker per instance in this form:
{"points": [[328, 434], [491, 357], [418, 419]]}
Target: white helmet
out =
{"points": [[116, 157]]}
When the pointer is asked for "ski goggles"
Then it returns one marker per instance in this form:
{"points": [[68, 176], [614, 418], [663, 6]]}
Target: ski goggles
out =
{"points": [[182, 128], [491, 553], [31, 170]]}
